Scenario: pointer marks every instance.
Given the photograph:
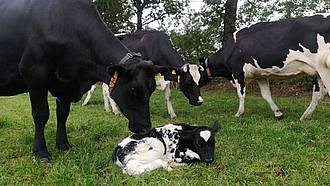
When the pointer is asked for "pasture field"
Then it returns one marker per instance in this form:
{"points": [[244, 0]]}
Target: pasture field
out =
{"points": [[254, 149]]}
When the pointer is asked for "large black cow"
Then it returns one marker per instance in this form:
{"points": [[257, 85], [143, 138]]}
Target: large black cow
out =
{"points": [[157, 47], [63, 47], [275, 50]]}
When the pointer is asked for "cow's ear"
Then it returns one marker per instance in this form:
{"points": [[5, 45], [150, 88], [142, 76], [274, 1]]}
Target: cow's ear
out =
{"points": [[202, 61], [189, 135], [113, 68], [215, 126], [172, 74], [160, 69]]}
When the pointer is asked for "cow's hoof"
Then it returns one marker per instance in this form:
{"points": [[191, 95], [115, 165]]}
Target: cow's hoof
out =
{"points": [[43, 156], [64, 147], [279, 116]]}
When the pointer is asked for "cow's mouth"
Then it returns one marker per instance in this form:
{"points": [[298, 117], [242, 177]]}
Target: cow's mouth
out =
{"points": [[198, 102]]}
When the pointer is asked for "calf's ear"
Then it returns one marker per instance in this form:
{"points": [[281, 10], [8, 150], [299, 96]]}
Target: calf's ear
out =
{"points": [[215, 126], [113, 68], [187, 134]]}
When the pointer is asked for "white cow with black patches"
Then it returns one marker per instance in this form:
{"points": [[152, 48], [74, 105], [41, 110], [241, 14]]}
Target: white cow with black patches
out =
{"points": [[166, 147]]}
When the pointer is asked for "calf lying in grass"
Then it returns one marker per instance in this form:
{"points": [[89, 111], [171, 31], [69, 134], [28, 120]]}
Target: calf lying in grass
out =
{"points": [[166, 147]]}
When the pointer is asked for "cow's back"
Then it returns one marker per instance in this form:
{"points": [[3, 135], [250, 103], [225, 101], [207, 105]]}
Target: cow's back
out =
{"points": [[269, 43]]}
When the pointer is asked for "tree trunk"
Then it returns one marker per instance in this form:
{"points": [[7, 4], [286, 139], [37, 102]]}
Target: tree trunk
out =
{"points": [[229, 19], [139, 18]]}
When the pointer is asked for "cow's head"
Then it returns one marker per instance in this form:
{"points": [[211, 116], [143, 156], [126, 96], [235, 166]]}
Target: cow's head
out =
{"points": [[135, 82], [204, 141], [188, 79], [206, 74]]}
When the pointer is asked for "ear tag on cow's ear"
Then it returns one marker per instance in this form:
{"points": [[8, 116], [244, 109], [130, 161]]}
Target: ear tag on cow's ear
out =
{"points": [[178, 78], [116, 74], [173, 72], [113, 80], [158, 76]]}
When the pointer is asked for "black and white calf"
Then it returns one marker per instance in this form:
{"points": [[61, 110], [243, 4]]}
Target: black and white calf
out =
{"points": [[275, 50], [166, 147]]}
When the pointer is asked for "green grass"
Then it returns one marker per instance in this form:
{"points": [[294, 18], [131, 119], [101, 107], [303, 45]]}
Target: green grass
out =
{"points": [[254, 149]]}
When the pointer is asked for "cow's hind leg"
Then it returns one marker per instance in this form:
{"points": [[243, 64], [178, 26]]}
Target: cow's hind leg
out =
{"points": [[89, 95], [265, 93], [318, 93], [62, 112], [107, 99], [167, 94]]}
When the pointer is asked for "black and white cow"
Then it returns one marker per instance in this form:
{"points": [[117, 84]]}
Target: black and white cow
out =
{"points": [[64, 47], [157, 47], [275, 50], [166, 147]]}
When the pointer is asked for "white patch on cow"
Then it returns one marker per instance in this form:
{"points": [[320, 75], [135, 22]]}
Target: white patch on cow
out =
{"points": [[147, 156], [325, 15], [234, 35], [194, 72], [205, 135], [192, 154]]}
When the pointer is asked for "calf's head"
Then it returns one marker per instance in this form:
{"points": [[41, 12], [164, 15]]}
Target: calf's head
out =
{"points": [[135, 82], [188, 78], [203, 140]]}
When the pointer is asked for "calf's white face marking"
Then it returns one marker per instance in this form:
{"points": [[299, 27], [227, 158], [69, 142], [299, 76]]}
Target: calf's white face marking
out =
{"points": [[205, 135]]}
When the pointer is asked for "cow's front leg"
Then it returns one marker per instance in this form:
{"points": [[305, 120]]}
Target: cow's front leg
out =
{"points": [[240, 87], [62, 112], [265, 93], [40, 114], [319, 92]]}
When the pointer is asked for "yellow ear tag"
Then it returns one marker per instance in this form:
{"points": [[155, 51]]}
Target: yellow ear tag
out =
{"points": [[178, 78], [158, 76], [173, 72], [115, 75]]}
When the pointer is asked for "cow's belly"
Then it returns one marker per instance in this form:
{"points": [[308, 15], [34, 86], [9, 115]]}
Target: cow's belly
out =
{"points": [[290, 70], [11, 82]]}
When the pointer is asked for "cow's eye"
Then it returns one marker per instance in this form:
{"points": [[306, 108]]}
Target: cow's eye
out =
{"points": [[134, 91]]}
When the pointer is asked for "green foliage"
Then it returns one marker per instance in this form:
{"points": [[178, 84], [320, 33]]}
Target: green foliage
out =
{"points": [[158, 10], [116, 14], [192, 41], [254, 11], [254, 149]]}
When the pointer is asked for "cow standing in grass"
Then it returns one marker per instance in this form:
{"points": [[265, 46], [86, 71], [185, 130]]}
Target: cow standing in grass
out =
{"points": [[166, 147], [63, 46], [275, 50]]}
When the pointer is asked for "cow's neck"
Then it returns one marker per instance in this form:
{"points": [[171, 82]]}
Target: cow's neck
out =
{"points": [[217, 66]]}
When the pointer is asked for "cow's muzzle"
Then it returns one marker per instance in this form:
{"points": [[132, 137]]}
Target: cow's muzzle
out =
{"points": [[198, 102]]}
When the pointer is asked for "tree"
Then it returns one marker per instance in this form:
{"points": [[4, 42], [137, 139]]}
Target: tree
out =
{"points": [[254, 11], [192, 41], [220, 15], [116, 14], [158, 10]]}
